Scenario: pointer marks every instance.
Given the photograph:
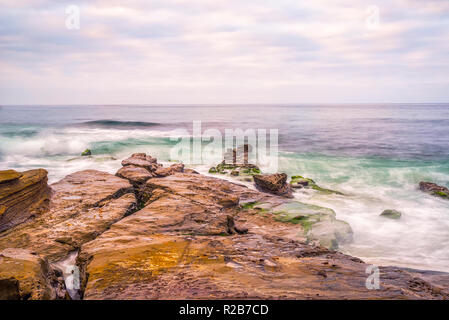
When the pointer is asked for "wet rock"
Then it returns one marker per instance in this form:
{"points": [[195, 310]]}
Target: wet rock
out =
{"points": [[22, 195], [236, 164], [86, 152], [240, 172], [24, 275], [299, 182], [434, 189], [318, 223], [274, 183], [391, 214]]}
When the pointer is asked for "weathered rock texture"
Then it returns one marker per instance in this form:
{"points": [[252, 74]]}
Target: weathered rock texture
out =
{"points": [[22, 195], [24, 275], [83, 205], [197, 237], [274, 183]]}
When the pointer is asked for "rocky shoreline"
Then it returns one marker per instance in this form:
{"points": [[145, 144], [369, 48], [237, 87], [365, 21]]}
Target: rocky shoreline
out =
{"points": [[154, 232]]}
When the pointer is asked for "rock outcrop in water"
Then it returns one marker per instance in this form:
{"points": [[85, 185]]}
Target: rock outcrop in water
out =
{"points": [[22, 195], [434, 189], [86, 152], [391, 214], [300, 182], [236, 164], [190, 236], [274, 183]]}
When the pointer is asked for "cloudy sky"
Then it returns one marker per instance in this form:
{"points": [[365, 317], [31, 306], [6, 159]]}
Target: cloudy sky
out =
{"points": [[224, 51]]}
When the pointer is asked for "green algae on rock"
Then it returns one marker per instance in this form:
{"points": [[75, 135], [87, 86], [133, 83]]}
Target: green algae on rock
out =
{"points": [[86, 152], [434, 189], [299, 182], [317, 223]]}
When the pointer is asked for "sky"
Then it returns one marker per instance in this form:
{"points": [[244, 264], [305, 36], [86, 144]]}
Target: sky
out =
{"points": [[159, 52]]}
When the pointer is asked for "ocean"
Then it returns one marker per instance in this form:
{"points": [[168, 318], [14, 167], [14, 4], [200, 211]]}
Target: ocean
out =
{"points": [[375, 154]]}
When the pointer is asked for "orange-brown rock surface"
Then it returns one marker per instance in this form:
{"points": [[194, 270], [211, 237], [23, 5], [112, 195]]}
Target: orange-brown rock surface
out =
{"points": [[22, 195], [274, 183], [83, 205], [25, 275], [186, 244], [198, 237]]}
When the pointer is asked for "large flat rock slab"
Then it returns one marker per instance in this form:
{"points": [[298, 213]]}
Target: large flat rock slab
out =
{"points": [[83, 205]]}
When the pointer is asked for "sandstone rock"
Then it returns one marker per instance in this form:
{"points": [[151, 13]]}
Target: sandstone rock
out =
{"points": [[274, 183], [24, 275], [191, 171], [434, 189], [181, 246], [141, 160], [135, 175], [174, 168], [391, 214], [83, 205], [9, 175], [24, 196], [230, 201]]}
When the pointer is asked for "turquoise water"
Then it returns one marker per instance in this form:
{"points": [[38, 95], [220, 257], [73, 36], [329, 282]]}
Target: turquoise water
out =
{"points": [[375, 154]]}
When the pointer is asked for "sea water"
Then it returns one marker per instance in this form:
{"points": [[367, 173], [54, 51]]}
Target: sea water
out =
{"points": [[375, 154]]}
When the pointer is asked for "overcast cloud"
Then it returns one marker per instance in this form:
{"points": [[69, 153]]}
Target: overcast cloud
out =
{"points": [[216, 51]]}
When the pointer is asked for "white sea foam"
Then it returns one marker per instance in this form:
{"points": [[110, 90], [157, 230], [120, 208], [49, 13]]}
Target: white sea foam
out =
{"points": [[419, 239]]}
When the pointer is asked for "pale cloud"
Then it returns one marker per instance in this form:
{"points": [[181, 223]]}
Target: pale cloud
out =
{"points": [[216, 51]]}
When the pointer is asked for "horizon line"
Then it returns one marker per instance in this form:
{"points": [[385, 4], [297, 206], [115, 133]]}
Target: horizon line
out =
{"points": [[218, 104]]}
